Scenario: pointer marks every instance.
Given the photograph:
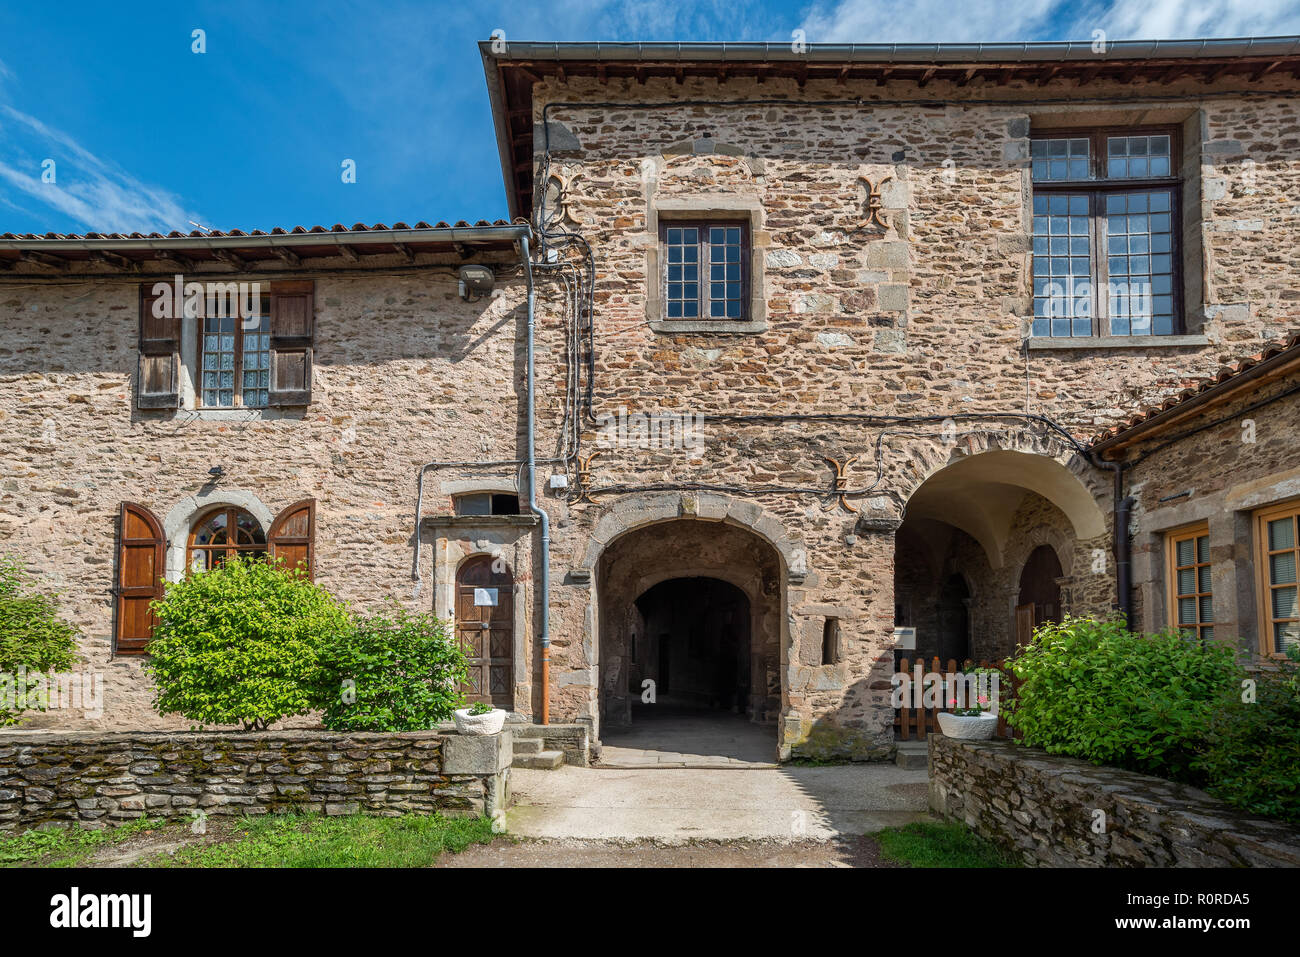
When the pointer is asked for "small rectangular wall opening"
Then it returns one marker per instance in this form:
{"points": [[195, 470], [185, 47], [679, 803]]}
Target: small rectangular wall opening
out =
{"points": [[831, 641]]}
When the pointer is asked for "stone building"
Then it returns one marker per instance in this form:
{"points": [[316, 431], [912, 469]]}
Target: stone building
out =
{"points": [[818, 336]]}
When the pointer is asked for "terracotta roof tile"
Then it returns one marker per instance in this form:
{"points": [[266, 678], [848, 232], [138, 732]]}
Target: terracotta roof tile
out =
{"points": [[1199, 386], [275, 231]]}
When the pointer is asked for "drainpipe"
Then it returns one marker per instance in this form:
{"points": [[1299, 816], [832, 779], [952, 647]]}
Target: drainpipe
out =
{"points": [[536, 509], [1123, 548]]}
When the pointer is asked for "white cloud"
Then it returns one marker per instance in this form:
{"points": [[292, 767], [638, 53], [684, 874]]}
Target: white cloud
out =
{"points": [[95, 193], [925, 21], [937, 21], [1173, 19]]}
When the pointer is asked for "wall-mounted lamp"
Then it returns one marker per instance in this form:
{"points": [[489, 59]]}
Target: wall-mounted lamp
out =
{"points": [[217, 471], [475, 281]]}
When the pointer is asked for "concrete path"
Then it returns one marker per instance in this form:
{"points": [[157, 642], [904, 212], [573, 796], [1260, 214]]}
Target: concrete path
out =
{"points": [[668, 737], [674, 806]]}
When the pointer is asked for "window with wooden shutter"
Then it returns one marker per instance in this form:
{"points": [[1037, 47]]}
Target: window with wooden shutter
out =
{"points": [[140, 558], [158, 374], [292, 322], [293, 536]]}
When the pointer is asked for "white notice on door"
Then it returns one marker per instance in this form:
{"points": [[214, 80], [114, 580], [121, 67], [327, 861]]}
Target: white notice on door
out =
{"points": [[485, 596]]}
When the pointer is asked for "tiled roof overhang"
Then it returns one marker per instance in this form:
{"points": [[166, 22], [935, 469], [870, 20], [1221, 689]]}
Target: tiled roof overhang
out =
{"points": [[56, 255], [512, 72], [1275, 361]]}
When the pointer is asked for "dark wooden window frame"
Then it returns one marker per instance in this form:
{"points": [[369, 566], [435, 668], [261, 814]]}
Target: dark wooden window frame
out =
{"points": [[1097, 187], [232, 513], [705, 261], [239, 362]]}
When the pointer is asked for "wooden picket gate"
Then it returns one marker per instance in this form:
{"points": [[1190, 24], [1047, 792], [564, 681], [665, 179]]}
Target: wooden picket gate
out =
{"points": [[909, 721]]}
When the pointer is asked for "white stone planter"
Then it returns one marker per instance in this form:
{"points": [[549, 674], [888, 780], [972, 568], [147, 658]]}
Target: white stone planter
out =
{"points": [[973, 727], [490, 723]]}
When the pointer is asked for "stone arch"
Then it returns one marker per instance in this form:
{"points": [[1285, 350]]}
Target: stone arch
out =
{"points": [[977, 485], [179, 521], [637, 511], [763, 559], [1043, 534]]}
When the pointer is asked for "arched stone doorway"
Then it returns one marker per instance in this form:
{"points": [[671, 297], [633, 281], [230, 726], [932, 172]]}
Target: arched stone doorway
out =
{"points": [[1039, 598], [695, 607], [967, 531]]}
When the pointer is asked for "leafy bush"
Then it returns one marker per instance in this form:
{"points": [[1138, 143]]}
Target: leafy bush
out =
{"points": [[1095, 690], [394, 671], [1253, 756], [241, 643], [32, 637]]}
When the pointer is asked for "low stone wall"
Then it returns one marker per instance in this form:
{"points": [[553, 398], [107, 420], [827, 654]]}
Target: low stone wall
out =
{"points": [[1044, 808], [101, 779]]}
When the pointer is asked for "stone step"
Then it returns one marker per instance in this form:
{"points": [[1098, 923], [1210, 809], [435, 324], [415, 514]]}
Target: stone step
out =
{"points": [[527, 745], [541, 761], [912, 754]]}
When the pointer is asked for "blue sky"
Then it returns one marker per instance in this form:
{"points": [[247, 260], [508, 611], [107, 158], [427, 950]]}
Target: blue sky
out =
{"points": [[146, 134]]}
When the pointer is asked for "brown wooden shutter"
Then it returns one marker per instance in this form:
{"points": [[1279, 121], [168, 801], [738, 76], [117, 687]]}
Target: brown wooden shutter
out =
{"points": [[292, 322], [141, 555], [293, 536], [158, 374]]}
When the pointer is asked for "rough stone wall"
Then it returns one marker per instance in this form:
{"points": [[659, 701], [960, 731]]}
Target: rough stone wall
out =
{"points": [[1217, 475], [924, 315], [105, 779], [1041, 808], [396, 357]]}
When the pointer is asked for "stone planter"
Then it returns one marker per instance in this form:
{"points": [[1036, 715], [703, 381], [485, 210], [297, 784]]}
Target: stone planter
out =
{"points": [[975, 727], [490, 723]]}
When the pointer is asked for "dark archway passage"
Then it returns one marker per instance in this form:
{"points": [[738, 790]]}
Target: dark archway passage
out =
{"points": [[693, 643], [689, 620]]}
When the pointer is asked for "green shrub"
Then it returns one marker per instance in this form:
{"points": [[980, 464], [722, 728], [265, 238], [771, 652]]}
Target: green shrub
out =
{"points": [[1095, 690], [394, 671], [32, 637], [241, 643], [1253, 756]]}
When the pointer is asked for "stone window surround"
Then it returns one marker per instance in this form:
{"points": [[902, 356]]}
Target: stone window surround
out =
{"points": [[180, 520], [706, 206], [1230, 516], [1194, 135]]}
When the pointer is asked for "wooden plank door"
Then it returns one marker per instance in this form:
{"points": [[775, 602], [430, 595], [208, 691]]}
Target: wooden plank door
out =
{"points": [[485, 627], [1024, 625], [141, 551]]}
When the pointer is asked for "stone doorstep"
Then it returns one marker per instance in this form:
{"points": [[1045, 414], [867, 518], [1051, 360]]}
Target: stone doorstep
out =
{"points": [[540, 760]]}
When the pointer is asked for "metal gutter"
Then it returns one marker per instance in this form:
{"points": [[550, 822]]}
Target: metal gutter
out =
{"points": [[927, 53], [454, 234]]}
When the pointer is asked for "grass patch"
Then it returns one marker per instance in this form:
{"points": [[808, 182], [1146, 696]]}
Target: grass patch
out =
{"points": [[291, 840], [66, 846], [935, 844]]}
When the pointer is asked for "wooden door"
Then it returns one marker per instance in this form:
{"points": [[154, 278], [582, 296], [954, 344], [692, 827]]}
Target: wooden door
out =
{"points": [[485, 626], [139, 577], [1024, 625]]}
